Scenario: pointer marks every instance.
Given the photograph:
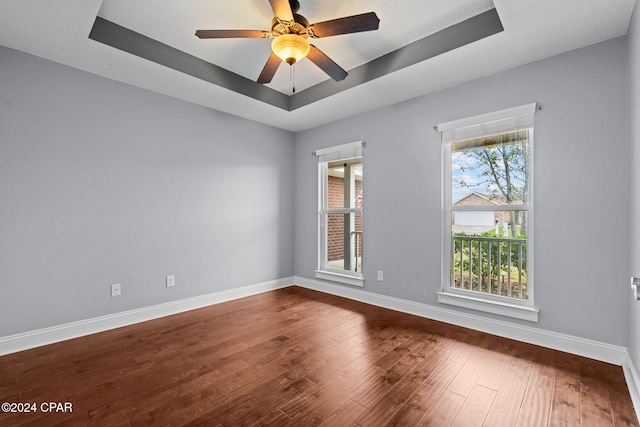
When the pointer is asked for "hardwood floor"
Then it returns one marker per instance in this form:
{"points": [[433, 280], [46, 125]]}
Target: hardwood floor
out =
{"points": [[296, 357]]}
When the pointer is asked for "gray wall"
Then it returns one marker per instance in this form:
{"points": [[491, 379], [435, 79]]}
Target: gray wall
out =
{"points": [[105, 183], [581, 187], [633, 343]]}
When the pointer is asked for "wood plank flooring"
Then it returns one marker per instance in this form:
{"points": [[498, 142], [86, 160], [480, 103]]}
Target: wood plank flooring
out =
{"points": [[296, 357]]}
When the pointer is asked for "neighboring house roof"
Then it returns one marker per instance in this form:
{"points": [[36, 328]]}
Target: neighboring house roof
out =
{"points": [[475, 197], [481, 199]]}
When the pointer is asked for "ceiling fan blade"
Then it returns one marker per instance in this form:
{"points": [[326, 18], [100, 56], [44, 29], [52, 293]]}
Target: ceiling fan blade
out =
{"points": [[348, 24], [282, 9], [326, 64], [269, 69], [230, 34]]}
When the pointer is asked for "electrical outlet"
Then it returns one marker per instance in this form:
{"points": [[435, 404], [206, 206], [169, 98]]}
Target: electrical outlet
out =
{"points": [[380, 276], [171, 281], [116, 290], [635, 283]]}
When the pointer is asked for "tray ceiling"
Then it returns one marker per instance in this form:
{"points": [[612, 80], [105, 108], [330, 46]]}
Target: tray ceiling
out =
{"points": [[533, 29]]}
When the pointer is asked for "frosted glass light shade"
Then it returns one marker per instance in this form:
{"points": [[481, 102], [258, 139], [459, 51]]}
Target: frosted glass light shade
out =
{"points": [[291, 48]]}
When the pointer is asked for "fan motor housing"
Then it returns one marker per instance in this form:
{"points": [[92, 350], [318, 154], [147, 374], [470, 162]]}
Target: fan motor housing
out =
{"points": [[297, 26]]}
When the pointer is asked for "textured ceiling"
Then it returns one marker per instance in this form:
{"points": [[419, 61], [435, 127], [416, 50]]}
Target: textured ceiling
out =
{"points": [[533, 29], [175, 22]]}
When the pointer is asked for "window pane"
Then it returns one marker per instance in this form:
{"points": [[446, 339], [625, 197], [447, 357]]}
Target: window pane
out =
{"points": [[490, 259], [344, 186], [483, 223], [341, 210], [491, 170], [340, 256], [488, 245]]}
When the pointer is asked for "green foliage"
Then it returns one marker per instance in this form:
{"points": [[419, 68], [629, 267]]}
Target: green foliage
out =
{"points": [[502, 167], [483, 264]]}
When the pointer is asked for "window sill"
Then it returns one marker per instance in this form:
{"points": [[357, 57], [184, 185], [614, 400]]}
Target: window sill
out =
{"points": [[347, 279], [502, 308]]}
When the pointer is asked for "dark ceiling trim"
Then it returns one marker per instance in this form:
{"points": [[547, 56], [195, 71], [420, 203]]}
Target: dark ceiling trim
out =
{"points": [[473, 29], [122, 38]]}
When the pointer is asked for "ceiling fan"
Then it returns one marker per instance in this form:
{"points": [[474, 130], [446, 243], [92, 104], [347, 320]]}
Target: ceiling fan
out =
{"points": [[290, 32]]}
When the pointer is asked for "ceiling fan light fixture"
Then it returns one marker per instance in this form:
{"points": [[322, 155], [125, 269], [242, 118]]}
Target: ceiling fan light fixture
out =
{"points": [[291, 48]]}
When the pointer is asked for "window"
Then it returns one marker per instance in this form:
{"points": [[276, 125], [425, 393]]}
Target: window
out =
{"points": [[488, 213], [340, 177]]}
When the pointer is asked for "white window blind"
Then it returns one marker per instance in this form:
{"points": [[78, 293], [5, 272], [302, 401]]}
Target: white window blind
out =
{"points": [[493, 123], [340, 152]]}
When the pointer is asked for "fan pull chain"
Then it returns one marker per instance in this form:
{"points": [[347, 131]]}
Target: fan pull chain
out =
{"points": [[292, 77]]}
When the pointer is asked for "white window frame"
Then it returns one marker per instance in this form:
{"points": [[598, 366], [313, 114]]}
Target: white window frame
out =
{"points": [[340, 152], [493, 123]]}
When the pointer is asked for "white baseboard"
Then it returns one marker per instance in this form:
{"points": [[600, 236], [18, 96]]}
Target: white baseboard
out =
{"points": [[604, 352], [588, 348], [633, 383], [609, 353], [40, 337]]}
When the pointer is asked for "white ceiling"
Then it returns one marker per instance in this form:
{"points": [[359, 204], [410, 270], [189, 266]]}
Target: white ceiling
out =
{"points": [[534, 29]]}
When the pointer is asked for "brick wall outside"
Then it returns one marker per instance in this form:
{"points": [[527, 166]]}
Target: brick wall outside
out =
{"points": [[335, 226]]}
